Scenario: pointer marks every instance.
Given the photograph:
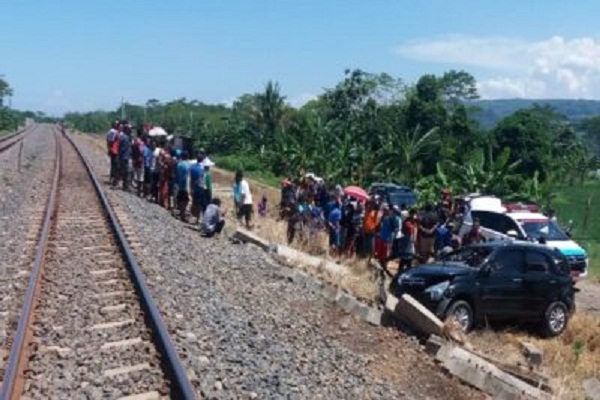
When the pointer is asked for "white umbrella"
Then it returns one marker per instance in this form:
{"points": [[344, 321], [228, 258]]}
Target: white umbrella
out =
{"points": [[157, 131], [208, 162]]}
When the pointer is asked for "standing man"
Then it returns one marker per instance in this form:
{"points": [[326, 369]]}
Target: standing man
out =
{"points": [[243, 198], [183, 197], [112, 146], [428, 224], [149, 165], [370, 224], [197, 184], [125, 155], [137, 154], [406, 249], [385, 235], [155, 168], [208, 180], [335, 231]]}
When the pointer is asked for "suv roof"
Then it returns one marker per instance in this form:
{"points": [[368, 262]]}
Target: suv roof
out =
{"points": [[388, 185], [527, 215], [513, 243]]}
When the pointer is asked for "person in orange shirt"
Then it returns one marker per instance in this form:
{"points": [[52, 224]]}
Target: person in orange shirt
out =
{"points": [[370, 226]]}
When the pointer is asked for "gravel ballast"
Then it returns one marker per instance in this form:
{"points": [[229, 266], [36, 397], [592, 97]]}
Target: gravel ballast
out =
{"points": [[23, 194], [245, 327]]}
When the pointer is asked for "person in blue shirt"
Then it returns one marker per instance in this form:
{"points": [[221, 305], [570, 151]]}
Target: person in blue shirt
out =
{"points": [[198, 186], [149, 166], [443, 237], [125, 155], [335, 230], [182, 174], [385, 236]]}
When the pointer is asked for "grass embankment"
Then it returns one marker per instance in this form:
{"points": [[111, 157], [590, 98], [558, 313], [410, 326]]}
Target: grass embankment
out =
{"points": [[579, 203], [568, 359], [252, 168]]}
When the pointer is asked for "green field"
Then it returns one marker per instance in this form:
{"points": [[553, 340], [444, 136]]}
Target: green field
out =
{"points": [[580, 203]]}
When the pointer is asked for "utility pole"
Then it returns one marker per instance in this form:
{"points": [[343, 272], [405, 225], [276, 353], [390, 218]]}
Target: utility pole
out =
{"points": [[122, 108], [191, 122]]}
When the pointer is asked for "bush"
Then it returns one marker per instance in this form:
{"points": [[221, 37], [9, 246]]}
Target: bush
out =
{"points": [[234, 162]]}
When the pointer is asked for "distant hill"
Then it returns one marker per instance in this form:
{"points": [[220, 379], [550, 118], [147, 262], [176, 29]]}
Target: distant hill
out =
{"points": [[492, 111]]}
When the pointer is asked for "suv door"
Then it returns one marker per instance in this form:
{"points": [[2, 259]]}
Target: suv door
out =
{"points": [[539, 282], [502, 291]]}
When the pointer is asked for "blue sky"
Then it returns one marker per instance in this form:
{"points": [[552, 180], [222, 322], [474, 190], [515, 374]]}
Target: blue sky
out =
{"points": [[81, 55]]}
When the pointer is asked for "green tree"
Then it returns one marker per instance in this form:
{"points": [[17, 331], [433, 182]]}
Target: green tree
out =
{"points": [[591, 133], [528, 134], [5, 91], [458, 86]]}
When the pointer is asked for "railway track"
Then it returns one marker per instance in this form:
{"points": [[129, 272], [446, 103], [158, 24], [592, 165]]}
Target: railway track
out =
{"points": [[89, 327], [8, 141]]}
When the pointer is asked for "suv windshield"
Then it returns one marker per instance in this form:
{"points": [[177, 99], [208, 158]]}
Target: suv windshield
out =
{"points": [[547, 229], [472, 256], [400, 197]]}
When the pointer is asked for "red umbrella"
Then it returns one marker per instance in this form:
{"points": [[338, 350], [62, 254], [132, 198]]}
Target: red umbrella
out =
{"points": [[356, 192]]}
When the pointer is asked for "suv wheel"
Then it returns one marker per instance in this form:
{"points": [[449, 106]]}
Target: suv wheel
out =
{"points": [[460, 314], [556, 318]]}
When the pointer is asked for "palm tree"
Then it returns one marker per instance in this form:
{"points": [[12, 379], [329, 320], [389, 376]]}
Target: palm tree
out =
{"points": [[270, 111]]}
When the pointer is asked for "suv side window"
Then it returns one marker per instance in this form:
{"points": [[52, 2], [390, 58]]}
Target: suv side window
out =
{"points": [[508, 262], [486, 219], [537, 261]]}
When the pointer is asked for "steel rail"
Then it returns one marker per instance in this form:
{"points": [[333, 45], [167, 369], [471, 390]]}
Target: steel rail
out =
{"points": [[13, 376], [181, 387], [5, 142]]}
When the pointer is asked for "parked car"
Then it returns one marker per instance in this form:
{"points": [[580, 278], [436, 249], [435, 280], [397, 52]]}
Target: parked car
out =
{"points": [[498, 223], [495, 281], [394, 195]]}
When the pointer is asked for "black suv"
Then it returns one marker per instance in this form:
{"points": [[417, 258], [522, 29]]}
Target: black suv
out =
{"points": [[495, 281], [394, 195]]}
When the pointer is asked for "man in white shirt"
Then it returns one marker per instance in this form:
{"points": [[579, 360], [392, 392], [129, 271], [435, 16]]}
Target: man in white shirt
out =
{"points": [[243, 198]]}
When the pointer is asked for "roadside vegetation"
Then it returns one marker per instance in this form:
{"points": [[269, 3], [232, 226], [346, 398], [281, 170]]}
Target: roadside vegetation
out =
{"points": [[11, 119], [374, 127], [579, 203]]}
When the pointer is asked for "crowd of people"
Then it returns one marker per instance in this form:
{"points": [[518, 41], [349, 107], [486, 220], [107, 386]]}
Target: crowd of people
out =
{"points": [[367, 227], [371, 228], [163, 174]]}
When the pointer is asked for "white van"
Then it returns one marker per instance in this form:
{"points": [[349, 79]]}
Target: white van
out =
{"points": [[497, 223]]}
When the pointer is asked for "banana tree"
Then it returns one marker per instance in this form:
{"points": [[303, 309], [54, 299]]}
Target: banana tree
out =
{"points": [[401, 152], [485, 174]]}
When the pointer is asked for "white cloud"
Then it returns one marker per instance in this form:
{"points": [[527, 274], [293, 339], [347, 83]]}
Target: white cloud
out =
{"points": [[301, 99], [556, 67]]}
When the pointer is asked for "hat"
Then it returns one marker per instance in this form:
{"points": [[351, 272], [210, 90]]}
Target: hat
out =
{"points": [[395, 208], [404, 213], [207, 162]]}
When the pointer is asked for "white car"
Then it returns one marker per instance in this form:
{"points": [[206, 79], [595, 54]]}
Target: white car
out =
{"points": [[497, 223]]}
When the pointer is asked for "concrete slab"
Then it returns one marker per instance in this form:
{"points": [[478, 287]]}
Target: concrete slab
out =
{"points": [[312, 261], [249, 237], [486, 376], [417, 315]]}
